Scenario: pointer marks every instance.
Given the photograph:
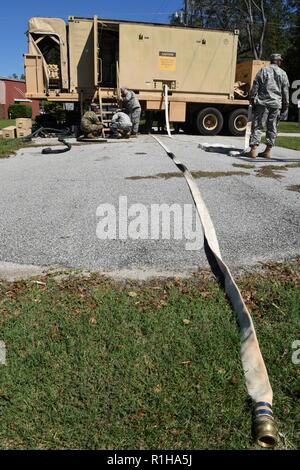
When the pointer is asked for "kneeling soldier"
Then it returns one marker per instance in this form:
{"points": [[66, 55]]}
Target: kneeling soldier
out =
{"points": [[91, 126], [121, 125]]}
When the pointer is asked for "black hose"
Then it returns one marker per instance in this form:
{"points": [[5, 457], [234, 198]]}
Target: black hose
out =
{"points": [[49, 150]]}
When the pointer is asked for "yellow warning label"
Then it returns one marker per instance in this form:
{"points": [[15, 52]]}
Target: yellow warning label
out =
{"points": [[167, 61]]}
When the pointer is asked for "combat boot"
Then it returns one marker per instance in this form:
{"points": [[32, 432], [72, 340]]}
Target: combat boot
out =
{"points": [[266, 153], [91, 135], [252, 153]]}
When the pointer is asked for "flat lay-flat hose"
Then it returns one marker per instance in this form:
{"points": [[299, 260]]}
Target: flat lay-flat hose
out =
{"points": [[256, 376]]}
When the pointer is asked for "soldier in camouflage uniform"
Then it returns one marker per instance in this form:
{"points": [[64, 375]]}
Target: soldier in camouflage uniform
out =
{"points": [[270, 99], [133, 108], [91, 126], [120, 125]]}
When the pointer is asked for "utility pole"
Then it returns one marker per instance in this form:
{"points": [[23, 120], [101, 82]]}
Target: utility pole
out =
{"points": [[186, 9]]}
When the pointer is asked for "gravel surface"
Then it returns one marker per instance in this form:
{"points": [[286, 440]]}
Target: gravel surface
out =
{"points": [[48, 205]]}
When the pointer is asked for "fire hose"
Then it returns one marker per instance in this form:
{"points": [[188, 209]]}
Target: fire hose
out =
{"points": [[256, 375], [49, 150], [61, 136]]}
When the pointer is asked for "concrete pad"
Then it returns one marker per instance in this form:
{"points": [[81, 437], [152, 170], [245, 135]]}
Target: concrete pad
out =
{"points": [[49, 206]]}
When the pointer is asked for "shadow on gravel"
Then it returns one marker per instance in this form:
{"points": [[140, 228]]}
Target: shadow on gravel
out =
{"points": [[222, 149], [229, 150]]}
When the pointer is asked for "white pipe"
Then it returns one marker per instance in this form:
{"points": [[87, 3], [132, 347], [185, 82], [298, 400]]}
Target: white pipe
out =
{"points": [[166, 88]]}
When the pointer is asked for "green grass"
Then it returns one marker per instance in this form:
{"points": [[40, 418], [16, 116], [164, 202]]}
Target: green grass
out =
{"points": [[7, 122], [94, 365], [9, 147], [292, 143], [289, 127]]}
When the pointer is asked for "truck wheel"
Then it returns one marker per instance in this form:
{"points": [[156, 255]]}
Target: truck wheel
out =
{"points": [[237, 121], [209, 121]]}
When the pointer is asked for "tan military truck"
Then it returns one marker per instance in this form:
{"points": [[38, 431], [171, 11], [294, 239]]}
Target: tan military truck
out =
{"points": [[88, 59]]}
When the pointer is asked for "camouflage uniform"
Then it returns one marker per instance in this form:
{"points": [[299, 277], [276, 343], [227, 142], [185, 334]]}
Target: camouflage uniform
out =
{"points": [[90, 125], [133, 109], [121, 123], [270, 94]]}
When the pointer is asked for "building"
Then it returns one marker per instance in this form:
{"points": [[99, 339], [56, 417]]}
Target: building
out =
{"points": [[12, 91]]}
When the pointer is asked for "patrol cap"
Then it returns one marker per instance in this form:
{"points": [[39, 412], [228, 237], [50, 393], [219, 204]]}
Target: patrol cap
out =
{"points": [[276, 57]]}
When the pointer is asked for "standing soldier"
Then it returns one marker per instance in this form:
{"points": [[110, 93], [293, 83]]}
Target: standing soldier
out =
{"points": [[133, 108], [270, 99]]}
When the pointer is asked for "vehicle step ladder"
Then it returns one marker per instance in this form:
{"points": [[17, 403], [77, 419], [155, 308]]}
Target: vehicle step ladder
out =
{"points": [[106, 110]]}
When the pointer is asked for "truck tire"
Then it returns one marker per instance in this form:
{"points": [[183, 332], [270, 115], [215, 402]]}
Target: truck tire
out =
{"points": [[237, 122], [209, 121]]}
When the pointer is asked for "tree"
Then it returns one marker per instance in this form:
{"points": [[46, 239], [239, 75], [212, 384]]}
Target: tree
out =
{"points": [[293, 31], [255, 17]]}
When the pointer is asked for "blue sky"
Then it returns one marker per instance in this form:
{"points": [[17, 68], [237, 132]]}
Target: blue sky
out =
{"points": [[14, 17]]}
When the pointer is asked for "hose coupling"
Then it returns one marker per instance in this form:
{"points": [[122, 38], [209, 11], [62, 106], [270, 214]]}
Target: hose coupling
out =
{"points": [[265, 431]]}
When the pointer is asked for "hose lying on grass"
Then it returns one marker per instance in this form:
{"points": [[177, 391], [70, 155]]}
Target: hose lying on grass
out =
{"points": [[256, 375]]}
